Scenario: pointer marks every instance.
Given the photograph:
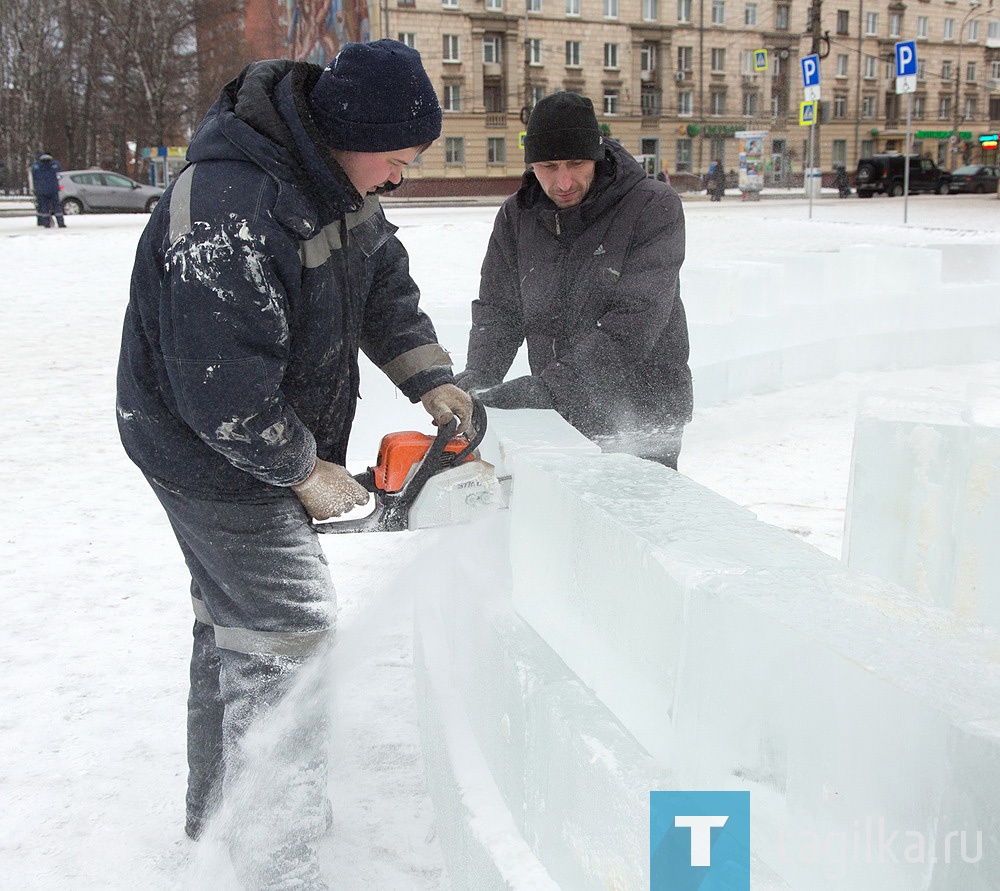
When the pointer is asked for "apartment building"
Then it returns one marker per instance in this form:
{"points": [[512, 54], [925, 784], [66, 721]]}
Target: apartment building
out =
{"points": [[674, 80]]}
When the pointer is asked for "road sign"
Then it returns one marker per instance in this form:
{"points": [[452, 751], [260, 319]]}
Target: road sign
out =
{"points": [[810, 77], [906, 66], [807, 114], [760, 60]]}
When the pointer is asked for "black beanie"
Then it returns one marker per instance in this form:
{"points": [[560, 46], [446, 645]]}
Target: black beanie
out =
{"points": [[376, 97], [563, 127]]}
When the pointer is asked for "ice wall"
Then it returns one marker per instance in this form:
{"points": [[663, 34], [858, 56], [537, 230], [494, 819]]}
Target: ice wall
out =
{"points": [[639, 631], [792, 318], [923, 506]]}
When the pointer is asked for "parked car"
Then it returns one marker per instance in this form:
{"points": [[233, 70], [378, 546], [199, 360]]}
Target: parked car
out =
{"points": [[101, 191], [884, 174], [978, 178]]}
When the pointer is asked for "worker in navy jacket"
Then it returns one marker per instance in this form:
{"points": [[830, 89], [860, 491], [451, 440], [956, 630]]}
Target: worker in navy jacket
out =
{"points": [[262, 273]]}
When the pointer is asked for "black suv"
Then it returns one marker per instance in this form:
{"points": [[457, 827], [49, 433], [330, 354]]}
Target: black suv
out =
{"points": [[884, 173]]}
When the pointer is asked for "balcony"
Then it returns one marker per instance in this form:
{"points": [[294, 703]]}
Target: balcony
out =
{"points": [[496, 119]]}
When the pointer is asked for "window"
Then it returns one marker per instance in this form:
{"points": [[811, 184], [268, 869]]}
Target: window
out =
{"points": [[572, 53], [895, 23], [973, 30], [685, 56], [647, 57], [534, 51], [921, 69], [842, 60], [611, 102], [919, 107], [867, 147], [491, 49], [843, 21], [496, 150], [495, 5], [970, 107], [717, 103], [948, 32], [750, 14], [748, 59], [838, 153], [407, 37], [781, 17], [682, 155], [993, 33], [572, 7], [749, 104], [995, 73], [610, 9], [535, 95], [995, 109], [684, 104], [970, 73], [922, 26], [868, 107], [840, 106], [452, 97], [718, 12], [650, 10], [871, 67], [454, 150], [718, 59], [946, 70], [651, 103], [449, 48], [534, 5], [871, 24], [449, 4], [944, 108], [611, 55], [683, 10]]}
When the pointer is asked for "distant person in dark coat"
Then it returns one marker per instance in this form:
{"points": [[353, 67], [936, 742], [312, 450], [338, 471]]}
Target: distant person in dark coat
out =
{"points": [[584, 265], [842, 183], [716, 180], [45, 184]]}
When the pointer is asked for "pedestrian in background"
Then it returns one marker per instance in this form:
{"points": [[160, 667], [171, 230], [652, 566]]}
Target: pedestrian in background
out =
{"points": [[584, 265], [45, 184], [263, 271]]}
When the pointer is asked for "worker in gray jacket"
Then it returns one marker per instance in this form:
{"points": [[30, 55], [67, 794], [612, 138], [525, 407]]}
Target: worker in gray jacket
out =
{"points": [[583, 264]]}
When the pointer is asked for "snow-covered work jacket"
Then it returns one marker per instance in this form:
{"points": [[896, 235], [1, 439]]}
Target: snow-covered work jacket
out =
{"points": [[594, 290], [45, 176], [259, 276]]}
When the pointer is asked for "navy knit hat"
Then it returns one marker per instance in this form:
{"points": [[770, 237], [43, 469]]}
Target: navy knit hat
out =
{"points": [[376, 97], [563, 127]]}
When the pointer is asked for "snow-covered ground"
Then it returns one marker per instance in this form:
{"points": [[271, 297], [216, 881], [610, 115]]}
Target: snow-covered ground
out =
{"points": [[97, 618]]}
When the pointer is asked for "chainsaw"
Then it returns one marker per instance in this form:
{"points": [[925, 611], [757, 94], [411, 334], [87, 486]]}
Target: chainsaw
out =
{"points": [[420, 481]]}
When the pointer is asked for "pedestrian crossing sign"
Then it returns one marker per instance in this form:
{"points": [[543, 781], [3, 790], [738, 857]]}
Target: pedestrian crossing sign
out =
{"points": [[760, 60], [520, 139], [807, 114]]}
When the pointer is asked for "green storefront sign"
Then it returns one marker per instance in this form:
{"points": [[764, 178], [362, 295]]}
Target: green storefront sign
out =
{"points": [[942, 134]]}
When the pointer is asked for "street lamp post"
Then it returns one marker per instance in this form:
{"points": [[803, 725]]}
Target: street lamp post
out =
{"points": [[956, 139]]}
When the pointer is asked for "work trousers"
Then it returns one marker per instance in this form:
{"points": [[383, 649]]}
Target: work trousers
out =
{"points": [[264, 605], [48, 207]]}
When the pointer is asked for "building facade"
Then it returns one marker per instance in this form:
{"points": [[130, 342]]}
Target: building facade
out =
{"points": [[674, 80]]}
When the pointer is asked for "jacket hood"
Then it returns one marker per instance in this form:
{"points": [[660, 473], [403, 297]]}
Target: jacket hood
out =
{"points": [[262, 116], [618, 173]]}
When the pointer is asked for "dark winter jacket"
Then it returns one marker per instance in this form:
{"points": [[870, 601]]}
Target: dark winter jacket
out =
{"points": [[259, 276], [594, 291], [45, 176]]}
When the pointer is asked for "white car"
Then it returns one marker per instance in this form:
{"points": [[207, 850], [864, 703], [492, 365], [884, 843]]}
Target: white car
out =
{"points": [[100, 191]]}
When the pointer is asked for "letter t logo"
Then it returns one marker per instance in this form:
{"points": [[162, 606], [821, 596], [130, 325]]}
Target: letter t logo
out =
{"points": [[701, 835]]}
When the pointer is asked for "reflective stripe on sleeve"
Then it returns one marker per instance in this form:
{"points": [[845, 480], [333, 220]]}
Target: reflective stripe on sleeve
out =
{"points": [[261, 643], [414, 361]]}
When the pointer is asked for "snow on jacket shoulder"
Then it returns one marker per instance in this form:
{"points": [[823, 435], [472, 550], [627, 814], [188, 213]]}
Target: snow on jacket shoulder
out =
{"points": [[255, 285], [594, 290]]}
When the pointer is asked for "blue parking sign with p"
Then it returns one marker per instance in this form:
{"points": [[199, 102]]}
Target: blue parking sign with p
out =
{"points": [[906, 58], [810, 70], [699, 841]]}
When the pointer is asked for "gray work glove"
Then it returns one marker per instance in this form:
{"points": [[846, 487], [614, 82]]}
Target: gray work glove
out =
{"points": [[522, 392], [329, 491], [471, 380], [448, 401]]}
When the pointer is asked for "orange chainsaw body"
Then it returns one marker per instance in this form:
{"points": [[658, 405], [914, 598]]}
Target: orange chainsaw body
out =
{"points": [[398, 452]]}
